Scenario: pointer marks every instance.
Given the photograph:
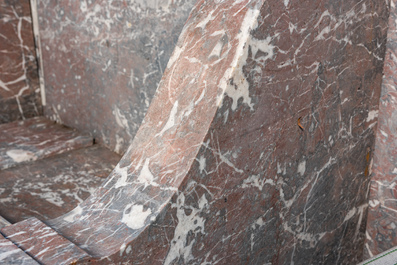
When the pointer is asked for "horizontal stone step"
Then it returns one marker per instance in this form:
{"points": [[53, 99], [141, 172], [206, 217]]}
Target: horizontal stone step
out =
{"points": [[10, 254], [36, 138], [50, 187], [43, 243]]}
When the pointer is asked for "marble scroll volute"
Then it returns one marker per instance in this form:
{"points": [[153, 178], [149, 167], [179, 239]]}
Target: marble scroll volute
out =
{"points": [[256, 147]]}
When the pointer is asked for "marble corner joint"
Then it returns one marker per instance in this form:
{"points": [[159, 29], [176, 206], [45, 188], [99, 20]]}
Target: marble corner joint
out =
{"points": [[220, 171]]}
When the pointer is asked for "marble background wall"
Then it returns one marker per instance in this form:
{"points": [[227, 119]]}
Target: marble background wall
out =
{"points": [[103, 61], [19, 83]]}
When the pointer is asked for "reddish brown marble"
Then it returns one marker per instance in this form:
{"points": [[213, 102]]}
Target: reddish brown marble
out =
{"points": [[19, 83], [35, 235], [36, 138], [103, 60], [382, 214], [10, 254], [257, 146], [53, 186]]}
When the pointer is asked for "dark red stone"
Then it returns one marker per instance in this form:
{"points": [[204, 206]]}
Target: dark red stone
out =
{"points": [[36, 138], [382, 214], [35, 235], [19, 82], [10, 254], [257, 146], [50, 187]]}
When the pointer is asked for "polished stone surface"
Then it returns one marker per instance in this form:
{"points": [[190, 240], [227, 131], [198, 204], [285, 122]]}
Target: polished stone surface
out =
{"points": [[35, 235], [53, 186], [3, 222], [36, 138], [19, 83], [257, 146], [10, 254], [382, 214], [103, 60], [388, 257]]}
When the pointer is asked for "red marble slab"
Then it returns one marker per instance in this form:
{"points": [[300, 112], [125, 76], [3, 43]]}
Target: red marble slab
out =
{"points": [[50, 187], [10, 254], [35, 235], [257, 146], [19, 83], [382, 214], [103, 60], [36, 138]]}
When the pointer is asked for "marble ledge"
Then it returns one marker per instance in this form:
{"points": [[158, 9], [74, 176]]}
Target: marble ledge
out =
{"points": [[58, 250], [52, 186], [36, 138], [10, 254]]}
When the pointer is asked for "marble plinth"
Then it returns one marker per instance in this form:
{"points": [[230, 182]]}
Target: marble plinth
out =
{"points": [[382, 213], [53, 186], [103, 60], [36, 138], [257, 147], [19, 83]]}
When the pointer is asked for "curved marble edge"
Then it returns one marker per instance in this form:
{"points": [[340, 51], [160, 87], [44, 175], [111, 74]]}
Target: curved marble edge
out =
{"points": [[257, 146], [382, 209], [157, 162]]}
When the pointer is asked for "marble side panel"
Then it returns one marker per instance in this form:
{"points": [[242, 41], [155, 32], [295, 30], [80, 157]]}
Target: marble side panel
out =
{"points": [[10, 254], [36, 234], [19, 81], [53, 186], [36, 138], [103, 61], [257, 146], [382, 214], [166, 145]]}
